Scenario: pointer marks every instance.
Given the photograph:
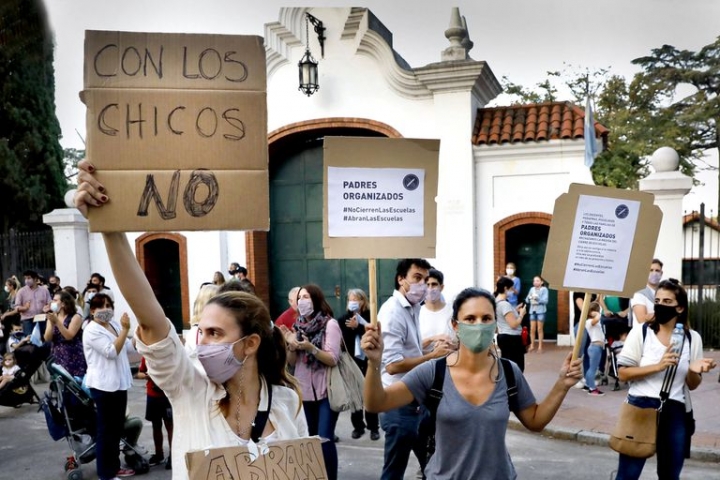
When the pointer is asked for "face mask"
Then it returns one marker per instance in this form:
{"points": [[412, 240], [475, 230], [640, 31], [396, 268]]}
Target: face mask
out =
{"points": [[219, 361], [664, 313], [654, 278], [7, 289], [509, 271], [305, 307], [104, 316], [29, 282], [416, 292], [17, 334], [477, 337], [54, 307], [353, 306], [433, 295], [89, 296]]}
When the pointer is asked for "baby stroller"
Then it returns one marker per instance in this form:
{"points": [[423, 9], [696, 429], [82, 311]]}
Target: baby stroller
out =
{"points": [[615, 327], [70, 413], [19, 391]]}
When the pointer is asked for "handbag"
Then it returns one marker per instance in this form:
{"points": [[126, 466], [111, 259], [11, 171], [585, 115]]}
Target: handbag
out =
{"points": [[635, 432], [345, 384]]}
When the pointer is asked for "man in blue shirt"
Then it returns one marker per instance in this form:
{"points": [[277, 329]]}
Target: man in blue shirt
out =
{"points": [[399, 317]]}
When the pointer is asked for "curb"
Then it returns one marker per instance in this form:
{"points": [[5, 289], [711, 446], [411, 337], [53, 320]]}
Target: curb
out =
{"points": [[589, 437]]}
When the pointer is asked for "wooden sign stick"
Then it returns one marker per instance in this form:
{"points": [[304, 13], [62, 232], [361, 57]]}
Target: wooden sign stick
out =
{"points": [[581, 327], [372, 284]]}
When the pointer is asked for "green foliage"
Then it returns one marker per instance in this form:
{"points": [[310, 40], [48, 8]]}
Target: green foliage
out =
{"points": [[673, 102], [71, 157], [31, 169]]}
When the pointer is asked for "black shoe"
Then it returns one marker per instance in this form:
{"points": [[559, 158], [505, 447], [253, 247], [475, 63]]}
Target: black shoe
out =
{"points": [[375, 435], [357, 434], [156, 460], [168, 463]]}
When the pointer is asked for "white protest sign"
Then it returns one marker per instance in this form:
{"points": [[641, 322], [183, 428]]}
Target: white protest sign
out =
{"points": [[375, 202], [602, 240]]}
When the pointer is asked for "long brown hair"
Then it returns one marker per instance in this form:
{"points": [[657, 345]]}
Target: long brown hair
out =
{"points": [[253, 317]]}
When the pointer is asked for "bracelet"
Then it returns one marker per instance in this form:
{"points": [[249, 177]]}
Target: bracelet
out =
{"points": [[315, 351]]}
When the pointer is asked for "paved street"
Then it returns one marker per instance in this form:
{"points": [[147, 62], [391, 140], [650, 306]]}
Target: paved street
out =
{"points": [[27, 452]]}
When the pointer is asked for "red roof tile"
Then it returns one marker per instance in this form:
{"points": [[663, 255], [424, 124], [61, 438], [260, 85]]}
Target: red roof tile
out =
{"points": [[694, 217], [531, 122]]}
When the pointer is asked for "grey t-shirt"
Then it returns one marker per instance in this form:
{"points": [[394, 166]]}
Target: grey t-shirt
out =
{"points": [[502, 308], [469, 439]]}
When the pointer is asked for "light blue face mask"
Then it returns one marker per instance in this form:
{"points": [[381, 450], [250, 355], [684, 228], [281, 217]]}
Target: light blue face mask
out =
{"points": [[476, 337], [353, 305]]}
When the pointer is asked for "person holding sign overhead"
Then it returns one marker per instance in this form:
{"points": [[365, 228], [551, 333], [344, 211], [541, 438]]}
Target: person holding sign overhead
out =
{"points": [[244, 396], [472, 403]]}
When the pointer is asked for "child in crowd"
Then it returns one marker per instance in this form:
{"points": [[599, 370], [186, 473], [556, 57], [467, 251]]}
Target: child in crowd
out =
{"points": [[157, 412], [9, 369], [596, 335]]}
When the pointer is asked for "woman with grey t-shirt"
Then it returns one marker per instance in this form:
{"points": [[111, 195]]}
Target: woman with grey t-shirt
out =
{"points": [[472, 415], [509, 322]]}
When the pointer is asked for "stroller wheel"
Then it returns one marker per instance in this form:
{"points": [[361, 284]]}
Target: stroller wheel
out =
{"points": [[75, 474]]}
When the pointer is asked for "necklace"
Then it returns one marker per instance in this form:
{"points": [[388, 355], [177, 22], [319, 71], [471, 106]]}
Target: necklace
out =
{"points": [[242, 432]]}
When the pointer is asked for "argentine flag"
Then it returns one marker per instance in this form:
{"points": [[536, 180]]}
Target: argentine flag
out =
{"points": [[591, 150]]}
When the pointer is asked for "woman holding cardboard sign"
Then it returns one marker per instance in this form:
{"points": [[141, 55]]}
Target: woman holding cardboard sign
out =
{"points": [[244, 396], [470, 393], [646, 356]]}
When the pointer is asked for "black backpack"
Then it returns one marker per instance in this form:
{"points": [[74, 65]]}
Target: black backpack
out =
{"points": [[435, 393]]}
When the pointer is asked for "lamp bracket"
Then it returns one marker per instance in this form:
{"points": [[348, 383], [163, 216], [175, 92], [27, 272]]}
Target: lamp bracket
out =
{"points": [[319, 30]]}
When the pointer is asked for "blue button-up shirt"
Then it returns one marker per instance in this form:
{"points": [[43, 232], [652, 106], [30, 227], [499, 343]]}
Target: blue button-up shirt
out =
{"points": [[400, 333]]}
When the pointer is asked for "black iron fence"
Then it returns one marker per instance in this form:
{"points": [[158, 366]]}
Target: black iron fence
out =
{"points": [[701, 274], [20, 251]]}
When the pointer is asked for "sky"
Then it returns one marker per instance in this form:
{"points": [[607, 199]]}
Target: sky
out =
{"points": [[520, 39]]}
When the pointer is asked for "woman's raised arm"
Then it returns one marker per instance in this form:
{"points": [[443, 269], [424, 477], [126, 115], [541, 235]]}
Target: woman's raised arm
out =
{"points": [[130, 278]]}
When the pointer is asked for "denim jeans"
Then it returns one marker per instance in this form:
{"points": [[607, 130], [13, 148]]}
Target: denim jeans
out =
{"points": [[321, 421], [595, 354], [671, 437], [110, 408], [401, 427]]}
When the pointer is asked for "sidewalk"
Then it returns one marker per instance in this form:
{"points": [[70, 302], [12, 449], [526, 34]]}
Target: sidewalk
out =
{"points": [[590, 419]]}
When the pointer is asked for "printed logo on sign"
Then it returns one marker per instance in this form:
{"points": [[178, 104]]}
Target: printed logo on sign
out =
{"points": [[411, 182], [622, 211]]}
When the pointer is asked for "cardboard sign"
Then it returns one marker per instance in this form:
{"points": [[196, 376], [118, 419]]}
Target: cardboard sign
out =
{"points": [[601, 240], [300, 459], [177, 128], [379, 197]]}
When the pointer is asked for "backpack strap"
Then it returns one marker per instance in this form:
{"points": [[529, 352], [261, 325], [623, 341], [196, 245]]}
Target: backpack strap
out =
{"points": [[512, 391], [435, 393]]}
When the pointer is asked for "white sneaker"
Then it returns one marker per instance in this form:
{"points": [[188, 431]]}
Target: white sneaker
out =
{"points": [[580, 383]]}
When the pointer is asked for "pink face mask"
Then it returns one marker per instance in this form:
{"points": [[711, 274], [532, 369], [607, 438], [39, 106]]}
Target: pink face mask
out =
{"points": [[219, 361], [434, 294], [416, 292]]}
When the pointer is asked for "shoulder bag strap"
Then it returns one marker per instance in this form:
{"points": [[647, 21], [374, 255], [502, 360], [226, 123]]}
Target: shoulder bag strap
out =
{"points": [[261, 418]]}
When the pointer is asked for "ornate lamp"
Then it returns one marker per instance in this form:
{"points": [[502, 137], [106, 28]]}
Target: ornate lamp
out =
{"points": [[308, 66]]}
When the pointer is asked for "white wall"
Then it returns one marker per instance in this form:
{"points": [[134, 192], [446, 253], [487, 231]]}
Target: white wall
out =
{"points": [[518, 178]]}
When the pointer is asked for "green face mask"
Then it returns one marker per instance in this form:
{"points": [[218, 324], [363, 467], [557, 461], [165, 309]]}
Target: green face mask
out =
{"points": [[477, 337]]}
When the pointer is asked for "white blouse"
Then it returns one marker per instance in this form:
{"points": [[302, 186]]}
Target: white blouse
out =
{"points": [[199, 422], [107, 370]]}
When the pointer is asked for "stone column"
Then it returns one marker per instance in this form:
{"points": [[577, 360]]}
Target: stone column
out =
{"points": [[71, 239], [669, 186]]}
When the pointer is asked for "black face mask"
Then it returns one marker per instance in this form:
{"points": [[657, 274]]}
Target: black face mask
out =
{"points": [[664, 313]]}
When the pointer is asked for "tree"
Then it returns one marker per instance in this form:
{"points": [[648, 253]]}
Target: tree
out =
{"points": [[31, 159], [689, 82], [71, 157], [644, 114]]}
